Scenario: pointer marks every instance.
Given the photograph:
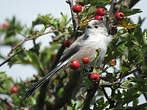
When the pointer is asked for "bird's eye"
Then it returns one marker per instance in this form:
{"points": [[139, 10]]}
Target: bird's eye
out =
{"points": [[88, 27], [96, 26]]}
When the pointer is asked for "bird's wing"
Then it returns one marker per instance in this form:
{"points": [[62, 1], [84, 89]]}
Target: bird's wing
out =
{"points": [[74, 48]]}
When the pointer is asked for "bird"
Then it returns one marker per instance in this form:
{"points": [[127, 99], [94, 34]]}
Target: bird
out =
{"points": [[95, 37]]}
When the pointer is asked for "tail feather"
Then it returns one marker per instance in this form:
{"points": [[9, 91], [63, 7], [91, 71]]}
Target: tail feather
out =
{"points": [[43, 80]]}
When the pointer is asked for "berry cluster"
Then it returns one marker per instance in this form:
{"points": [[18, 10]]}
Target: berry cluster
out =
{"points": [[75, 64], [100, 13], [77, 8]]}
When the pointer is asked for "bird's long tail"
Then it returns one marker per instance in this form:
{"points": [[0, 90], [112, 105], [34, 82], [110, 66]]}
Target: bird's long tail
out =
{"points": [[44, 80]]}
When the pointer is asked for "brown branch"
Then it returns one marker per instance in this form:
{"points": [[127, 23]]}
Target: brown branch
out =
{"points": [[74, 18], [6, 101], [129, 3], [138, 107], [107, 84], [43, 90], [9, 58], [27, 39], [121, 3], [69, 91], [126, 73], [90, 94], [111, 102], [110, 16]]}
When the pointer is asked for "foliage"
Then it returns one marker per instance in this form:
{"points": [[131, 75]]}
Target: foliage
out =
{"points": [[129, 46]]}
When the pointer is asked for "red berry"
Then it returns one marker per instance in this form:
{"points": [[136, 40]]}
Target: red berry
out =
{"points": [[98, 17], [8, 107], [100, 11], [112, 62], [74, 64], [119, 16], [14, 89], [77, 8], [94, 77], [67, 43], [5, 25], [85, 60]]}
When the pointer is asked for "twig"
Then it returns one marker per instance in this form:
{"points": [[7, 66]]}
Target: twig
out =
{"points": [[138, 107], [128, 72], [129, 3], [107, 84], [29, 38], [107, 97], [69, 91], [74, 19], [110, 15], [6, 101], [90, 94], [43, 90], [9, 58]]}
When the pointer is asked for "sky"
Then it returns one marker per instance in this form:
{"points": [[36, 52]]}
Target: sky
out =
{"points": [[26, 11]]}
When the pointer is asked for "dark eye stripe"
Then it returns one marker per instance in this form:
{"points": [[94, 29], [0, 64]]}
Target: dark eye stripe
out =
{"points": [[96, 26], [88, 27]]}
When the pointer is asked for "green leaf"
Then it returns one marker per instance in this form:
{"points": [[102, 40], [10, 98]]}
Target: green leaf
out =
{"points": [[97, 3], [135, 102], [34, 59], [92, 10], [73, 102], [2, 74], [60, 91], [129, 12], [145, 37]]}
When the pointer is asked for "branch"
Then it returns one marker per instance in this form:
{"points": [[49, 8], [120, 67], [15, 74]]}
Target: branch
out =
{"points": [[7, 101], [111, 102], [69, 91], [74, 19], [9, 58], [27, 39], [129, 3], [138, 107], [126, 73], [110, 16], [90, 94], [43, 90], [121, 3]]}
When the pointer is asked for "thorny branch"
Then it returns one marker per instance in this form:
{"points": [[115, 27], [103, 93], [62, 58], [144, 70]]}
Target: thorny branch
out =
{"points": [[43, 90], [74, 18], [90, 94], [107, 97], [41, 97], [9, 58], [29, 38], [138, 107]]}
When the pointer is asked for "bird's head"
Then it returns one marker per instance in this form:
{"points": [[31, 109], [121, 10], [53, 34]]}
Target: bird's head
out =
{"points": [[96, 27]]}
